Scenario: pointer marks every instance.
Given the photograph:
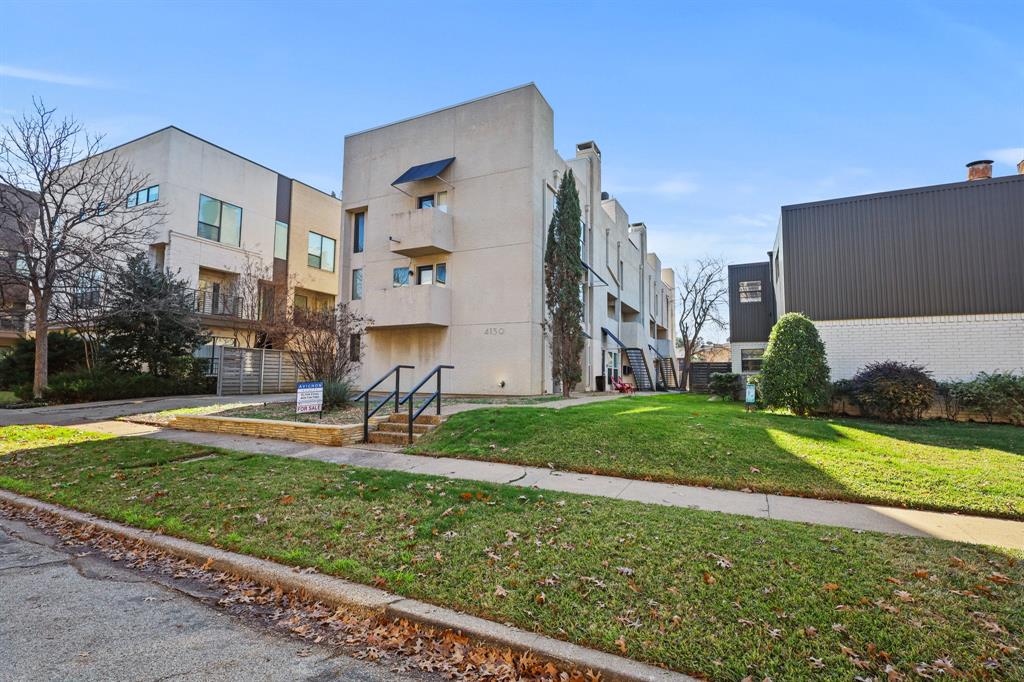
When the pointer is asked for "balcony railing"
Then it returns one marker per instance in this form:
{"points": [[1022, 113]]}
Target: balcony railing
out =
{"points": [[421, 232], [422, 305], [208, 302], [13, 322]]}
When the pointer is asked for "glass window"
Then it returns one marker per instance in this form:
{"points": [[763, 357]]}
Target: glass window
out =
{"points": [[358, 231], [354, 347], [280, 240], [144, 196], [442, 201], [219, 221], [357, 284], [154, 193], [751, 359], [301, 302], [230, 224], [315, 244], [327, 255], [427, 201], [750, 292], [400, 277], [441, 273], [425, 274]]}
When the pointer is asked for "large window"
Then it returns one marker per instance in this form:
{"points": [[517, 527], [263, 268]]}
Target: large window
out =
{"points": [[750, 359], [280, 240], [144, 196], [357, 284], [400, 277], [426, 201], [219, 221], [321, 252], [750, 292], [425, 274], [441, 273], [358, 231]]}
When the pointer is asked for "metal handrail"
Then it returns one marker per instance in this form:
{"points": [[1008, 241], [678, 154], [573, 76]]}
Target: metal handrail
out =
{"points": [[365, 397], [436, 395], [660, 356]]}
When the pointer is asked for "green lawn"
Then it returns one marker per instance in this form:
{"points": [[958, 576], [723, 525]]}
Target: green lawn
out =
{"points": [[973, 468], [710, 594]]}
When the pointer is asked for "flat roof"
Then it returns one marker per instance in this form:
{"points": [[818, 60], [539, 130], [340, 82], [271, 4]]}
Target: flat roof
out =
{"points": [[964, 184], [531, 84], [217, 146]]}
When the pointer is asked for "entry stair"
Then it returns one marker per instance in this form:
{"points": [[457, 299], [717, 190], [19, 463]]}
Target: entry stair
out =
{"points": [[395, 431], [407, 423]]}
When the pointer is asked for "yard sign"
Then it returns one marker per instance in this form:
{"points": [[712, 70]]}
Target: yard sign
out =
{"points": [[309, 397], [751, 396]]}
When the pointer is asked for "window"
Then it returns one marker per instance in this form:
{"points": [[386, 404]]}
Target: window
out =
{"points": [[87, 291], [321, 252], [750, 359], [750, 292], [358, 231], [357, 284], [441, 202], [441, 274], [301, 302], [427, 201], [219, 221], [400, 277], [144, 196], [425, 274], [355, 347], [280, 240]]}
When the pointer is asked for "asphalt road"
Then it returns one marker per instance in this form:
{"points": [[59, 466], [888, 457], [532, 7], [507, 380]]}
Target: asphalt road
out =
{"points": [[66, 617]]}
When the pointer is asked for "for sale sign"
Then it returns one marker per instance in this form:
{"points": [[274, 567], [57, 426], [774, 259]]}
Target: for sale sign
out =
{"points": [[309, 397]]}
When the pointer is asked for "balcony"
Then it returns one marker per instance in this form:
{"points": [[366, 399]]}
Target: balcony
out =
{"points": [[424, 305], [210, 302], [14, 324], [421, 232]]}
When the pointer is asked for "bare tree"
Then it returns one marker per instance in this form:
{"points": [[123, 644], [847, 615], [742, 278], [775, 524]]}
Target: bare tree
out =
{"points": [[703, 290], [264, 306], [69, 209], [328, 343]]}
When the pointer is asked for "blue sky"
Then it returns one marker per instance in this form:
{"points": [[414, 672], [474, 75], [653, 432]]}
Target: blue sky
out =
{"points": [[709, 115]]}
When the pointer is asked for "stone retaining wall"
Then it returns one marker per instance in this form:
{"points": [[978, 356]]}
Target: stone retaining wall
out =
{"points": [[321, 434]]}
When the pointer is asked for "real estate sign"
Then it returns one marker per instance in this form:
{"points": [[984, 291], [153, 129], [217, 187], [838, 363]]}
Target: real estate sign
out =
{"points": [[309, 397]]}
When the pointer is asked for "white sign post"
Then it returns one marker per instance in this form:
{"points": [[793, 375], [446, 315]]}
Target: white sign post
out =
{"points": [[309, 397]]}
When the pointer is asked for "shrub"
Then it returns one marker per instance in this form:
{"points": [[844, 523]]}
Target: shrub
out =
{"points": [[894, 391], [951, 394], [337, 394], [794, 373], [996, 394], [102, 384], [64, 352], [841, 392], [723, 384]]}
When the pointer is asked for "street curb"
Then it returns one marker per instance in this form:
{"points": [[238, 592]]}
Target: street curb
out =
{"points": [[367, 600]]}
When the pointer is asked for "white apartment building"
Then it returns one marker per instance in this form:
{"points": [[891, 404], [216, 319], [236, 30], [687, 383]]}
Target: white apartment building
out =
{"points": [[445, 222]]}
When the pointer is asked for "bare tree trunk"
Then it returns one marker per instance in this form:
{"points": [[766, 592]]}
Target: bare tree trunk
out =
{"points": [[39, 377]]}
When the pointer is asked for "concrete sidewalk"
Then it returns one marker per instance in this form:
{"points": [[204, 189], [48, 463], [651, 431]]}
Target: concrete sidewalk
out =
{"points": [[970, 529]]}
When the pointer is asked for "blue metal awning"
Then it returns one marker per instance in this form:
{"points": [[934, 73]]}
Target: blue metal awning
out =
{"points": [[423, 171]]}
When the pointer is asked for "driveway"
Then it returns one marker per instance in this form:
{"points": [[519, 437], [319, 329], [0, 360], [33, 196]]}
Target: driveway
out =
{"points": [[86, 413], [79, 616]]}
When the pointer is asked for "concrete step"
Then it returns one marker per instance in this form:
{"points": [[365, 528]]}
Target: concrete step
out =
{"points": [[403, 427], [392, 438], [403, 418]]}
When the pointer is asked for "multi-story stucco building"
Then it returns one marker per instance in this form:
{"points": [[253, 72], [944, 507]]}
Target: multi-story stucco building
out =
{"points": [[232, 228], [929, 275], [445, 222]]}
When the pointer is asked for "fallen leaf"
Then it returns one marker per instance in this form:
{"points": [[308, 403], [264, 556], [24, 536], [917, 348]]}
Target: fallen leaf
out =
{"points": [[500, 591], [287, 499], [920, 573], [830, 587], [709, 579], [621, 643]]}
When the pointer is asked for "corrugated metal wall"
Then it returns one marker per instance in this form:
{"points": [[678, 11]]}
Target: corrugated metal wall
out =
{"points": [[751, 321], [944, 250]]}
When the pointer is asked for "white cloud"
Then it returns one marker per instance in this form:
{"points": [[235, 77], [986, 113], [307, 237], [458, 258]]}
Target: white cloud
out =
{"points": [[48, 77], [1008, 155]]}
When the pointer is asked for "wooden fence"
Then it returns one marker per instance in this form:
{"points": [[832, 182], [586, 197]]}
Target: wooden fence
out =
{"points": [[700, 373], [244, 371]]}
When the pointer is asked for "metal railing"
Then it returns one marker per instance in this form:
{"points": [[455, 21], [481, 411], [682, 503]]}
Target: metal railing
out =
{"points": [[13, 322], [365, 397], [207, 302], [435, 396]]}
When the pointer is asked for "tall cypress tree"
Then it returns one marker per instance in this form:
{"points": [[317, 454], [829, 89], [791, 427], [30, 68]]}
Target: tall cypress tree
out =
{"points": [[563, 277]]}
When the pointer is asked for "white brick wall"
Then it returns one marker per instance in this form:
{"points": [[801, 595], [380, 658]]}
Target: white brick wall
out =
{"points": [[737, 359], [952, 347]]}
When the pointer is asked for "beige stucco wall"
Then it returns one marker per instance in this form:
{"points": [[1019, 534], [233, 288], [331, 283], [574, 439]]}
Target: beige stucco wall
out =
{"points": [[313, 211]]}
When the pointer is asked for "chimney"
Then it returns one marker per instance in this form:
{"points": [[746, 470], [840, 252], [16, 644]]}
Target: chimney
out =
{"points": [[979, 170], [1020, 167]]}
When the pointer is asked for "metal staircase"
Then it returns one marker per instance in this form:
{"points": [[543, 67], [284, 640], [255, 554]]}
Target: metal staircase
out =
{"points": [[641, 373], [668, 379]]}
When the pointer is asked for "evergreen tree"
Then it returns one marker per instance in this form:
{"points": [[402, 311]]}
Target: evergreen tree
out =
{"points": [[152, 319], [794, 373], [563, 279]]}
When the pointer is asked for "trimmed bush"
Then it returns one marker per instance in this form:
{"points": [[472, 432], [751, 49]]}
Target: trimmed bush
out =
{"points": [[996, 394], [723, 384], [794, 373], [894, 391], [84, 386]]}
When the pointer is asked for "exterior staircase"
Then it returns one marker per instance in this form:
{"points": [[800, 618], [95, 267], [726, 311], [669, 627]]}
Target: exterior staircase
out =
{"points": [[395, 431], [641, 373], [668, 374]]}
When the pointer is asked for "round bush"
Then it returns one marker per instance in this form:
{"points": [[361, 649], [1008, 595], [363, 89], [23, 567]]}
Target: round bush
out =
{"points": [[794, 373], [894, 391], [724, 384]]}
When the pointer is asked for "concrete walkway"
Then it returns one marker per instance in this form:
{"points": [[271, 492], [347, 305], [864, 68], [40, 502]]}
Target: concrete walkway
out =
{"points": [[971, 529]]}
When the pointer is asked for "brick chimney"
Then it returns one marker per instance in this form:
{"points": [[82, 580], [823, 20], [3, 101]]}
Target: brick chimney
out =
{"points": [[979, 170]]}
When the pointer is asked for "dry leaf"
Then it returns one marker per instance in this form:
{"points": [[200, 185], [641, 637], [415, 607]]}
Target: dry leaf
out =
{"points": [[709, 579], [621, 643], [830, 587], [500, 591], [287, 499]]}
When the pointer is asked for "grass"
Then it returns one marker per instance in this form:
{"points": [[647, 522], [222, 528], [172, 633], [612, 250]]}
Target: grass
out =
{"points": [[8, 398], [709, 594], [972, 468]]}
